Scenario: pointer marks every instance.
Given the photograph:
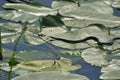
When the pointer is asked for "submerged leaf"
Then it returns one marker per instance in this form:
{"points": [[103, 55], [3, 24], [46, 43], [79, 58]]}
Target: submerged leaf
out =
{"points": [[52, 75], [52, 21], [27, 55], [49, 65]]}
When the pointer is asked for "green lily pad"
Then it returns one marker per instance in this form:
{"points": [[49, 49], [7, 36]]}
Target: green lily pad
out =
{"points": [[116, 4], [87, 13], [95, 56], [111, 75], [83, 33], [112, 71], [11, 31], [25, 12]]}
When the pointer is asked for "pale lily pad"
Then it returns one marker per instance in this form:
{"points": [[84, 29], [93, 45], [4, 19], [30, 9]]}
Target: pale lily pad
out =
{"points": [[49, 65], [95, 56], [50, 76], [25, 12], [18, 16], [11, 31], [84, 33], [33, 9], [108, 2], [116, 4], [95, 6], [87, 13], [115, 31], [50, 31], [111, 75], [112, 71], [114, 65], [82, 38], [69, 45], [60, 3]]}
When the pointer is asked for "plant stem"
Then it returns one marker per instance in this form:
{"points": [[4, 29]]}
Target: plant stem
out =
{"points": [[52, 48], [14, 52], [10, 73], [0, 47], [17, 41]]}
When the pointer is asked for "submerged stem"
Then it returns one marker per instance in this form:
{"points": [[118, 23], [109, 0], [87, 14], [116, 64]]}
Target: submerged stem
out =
{"points": [[11, 64], [52, 48], [17, 41], [10, 73]]}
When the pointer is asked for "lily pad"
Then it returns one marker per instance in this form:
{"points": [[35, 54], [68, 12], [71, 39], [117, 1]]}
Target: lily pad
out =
{"points": [[112, 71], [87, 13], [95, 56], [81, 35], [49, 65], [22, 12], [116, 4], [11, 31], [111, 75], [56, 75]]}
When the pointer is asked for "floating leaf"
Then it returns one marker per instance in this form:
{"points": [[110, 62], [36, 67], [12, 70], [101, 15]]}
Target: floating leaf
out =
{"points": [[25, 12], [56, 75], [81, 34], [11, 31], [36, 10], [116, 4], [87, 13], [112, 71], [18, 16], [111, 75], [95, 56], [49, 31], [114, 65], [49, 65]]}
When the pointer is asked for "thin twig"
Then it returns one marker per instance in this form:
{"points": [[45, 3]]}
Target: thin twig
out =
{"points": [[52, 48]]}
